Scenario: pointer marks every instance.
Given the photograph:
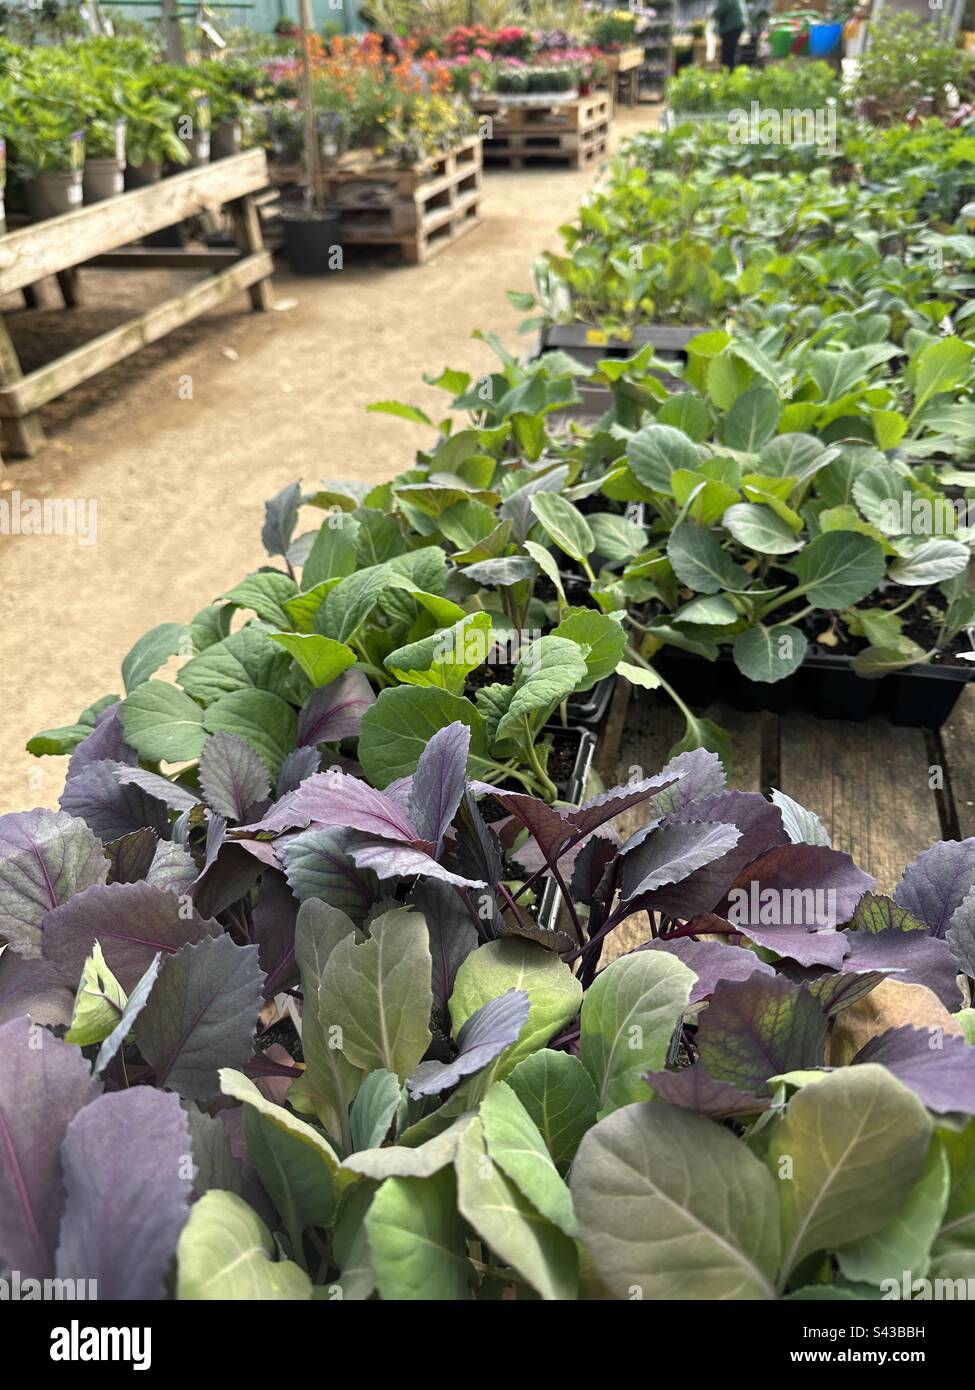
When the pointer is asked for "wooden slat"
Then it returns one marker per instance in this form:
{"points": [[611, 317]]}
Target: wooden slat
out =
{"points": [[958, 742], [43, 385], [149, 258], [44, 248], [869, 783]]}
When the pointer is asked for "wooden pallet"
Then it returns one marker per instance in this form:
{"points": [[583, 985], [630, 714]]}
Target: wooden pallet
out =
{"points": [[574, 133], [419, 210], [883, 793]]}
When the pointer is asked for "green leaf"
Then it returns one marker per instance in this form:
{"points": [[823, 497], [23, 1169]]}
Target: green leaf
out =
{"points": [[905, 1241], [348, 605], [617, 539], [655, 452], [151, 650], [329, 1082], [373, 1109], [297, 1168], [700, 563], [162, 724], [846, 1156], [558, 1093], [509, 1224], [687, 413], [268, 723], [417, 1241], [321, 659], [839, 568], [512, 963], [628, 1019], [760, 529], [379, 994], [939, 367], [397, 728], [265, 592], [714, 610], [673, 1206], [932, 563], [547, 671], [752, 420], [546, 562], [226, 1253], [563, 523], [443, 610], [769, 653], [246, 660], [638, 675], [515, 1143], [445, 658], [402, 411], [602, 635], [99, 1003]]}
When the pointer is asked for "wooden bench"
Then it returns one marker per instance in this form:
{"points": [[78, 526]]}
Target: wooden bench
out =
{"points": [[94, 236]]}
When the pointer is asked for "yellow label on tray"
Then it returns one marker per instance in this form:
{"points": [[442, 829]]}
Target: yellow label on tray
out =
{"points": [[596, 337]]}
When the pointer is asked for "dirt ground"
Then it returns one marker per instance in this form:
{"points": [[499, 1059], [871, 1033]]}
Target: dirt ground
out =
{"points": [[179, 483]]}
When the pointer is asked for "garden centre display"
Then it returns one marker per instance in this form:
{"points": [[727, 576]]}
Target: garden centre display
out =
{"points": [[351, 962]]}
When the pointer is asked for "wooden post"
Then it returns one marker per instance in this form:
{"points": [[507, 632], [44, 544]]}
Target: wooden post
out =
{"points": [[23, 432], [172, 33], [312, 161], [248, 236]]}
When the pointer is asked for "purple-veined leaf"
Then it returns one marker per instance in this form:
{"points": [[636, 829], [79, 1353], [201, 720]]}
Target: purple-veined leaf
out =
{"points": [[702, 775], [547, 825], [334, 711], [938, 1067], [711, 962], [590, 864], [106, 741], [834, 990], [230, 871], [201, 1016], [917, 958], [671, 854], [937, 883], [439, 782], [128, 1194], [694, 1089], [476, 849], [297, 766], [45, 857], [110, 808], [960, 935], [176, 797], [132, 921], [390, 859], [172, 867], [280, 519], [760, 827], [32, 987], [130, 857], [275, 917], [334, 800], [596, 812], [317, 864], [452, 933], [43, 1085], [485, 1035], [757, 1028], [233, 775]]}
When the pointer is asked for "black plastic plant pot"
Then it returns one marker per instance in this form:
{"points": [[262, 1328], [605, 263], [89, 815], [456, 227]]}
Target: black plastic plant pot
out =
{"points": [[589, 345], [589, 711], [826, 684], [550, 905], [310, 239]]}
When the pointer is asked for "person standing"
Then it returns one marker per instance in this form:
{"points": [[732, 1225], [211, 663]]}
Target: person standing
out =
{"points": [[731, 18]]}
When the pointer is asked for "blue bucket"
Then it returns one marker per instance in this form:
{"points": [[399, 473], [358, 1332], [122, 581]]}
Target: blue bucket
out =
{"points": [[824, 38]]}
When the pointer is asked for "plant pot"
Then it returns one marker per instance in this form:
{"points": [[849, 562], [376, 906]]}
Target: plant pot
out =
{"points": [[780, 41], [226, 139], [141, 175], [824, 39], [589, 710], [826, 684], [197, 146], [309, 240], [103, 178], [52, 195]]}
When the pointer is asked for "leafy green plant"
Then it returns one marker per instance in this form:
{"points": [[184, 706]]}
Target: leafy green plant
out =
{"points": [[904, 65]]}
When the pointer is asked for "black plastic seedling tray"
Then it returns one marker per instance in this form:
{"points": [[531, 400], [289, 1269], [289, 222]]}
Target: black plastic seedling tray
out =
{"points": [[919, 697], [551, 901], [589, 711]]}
